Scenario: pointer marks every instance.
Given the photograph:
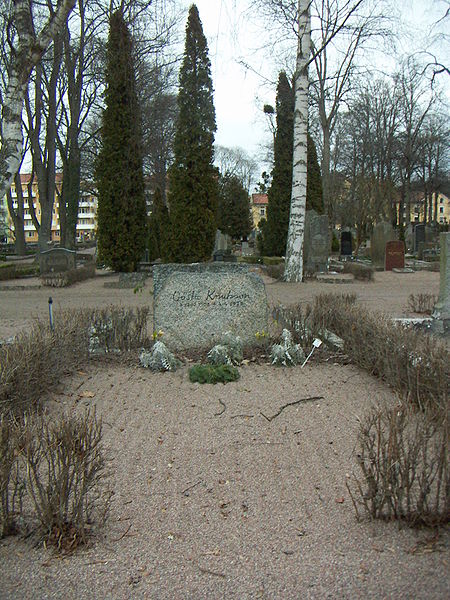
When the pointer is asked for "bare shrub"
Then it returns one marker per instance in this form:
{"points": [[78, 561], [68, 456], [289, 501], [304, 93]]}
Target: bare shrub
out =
{"points": [[403, 458], [275, 271], [359, 271], [66, 278], [421, 303], [11, 485], [65, 468], [39, 358], [118, 328], [415, 365]]}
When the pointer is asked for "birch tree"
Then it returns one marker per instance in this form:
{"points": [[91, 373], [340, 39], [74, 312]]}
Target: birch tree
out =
{"points": [[294, 247], [27, 48]]}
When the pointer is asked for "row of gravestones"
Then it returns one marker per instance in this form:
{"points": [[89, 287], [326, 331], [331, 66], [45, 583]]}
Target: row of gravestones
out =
{"points": [[194, 305], [389, 253]]}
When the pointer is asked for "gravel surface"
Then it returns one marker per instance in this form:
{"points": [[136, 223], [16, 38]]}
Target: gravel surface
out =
{"points": [[212, 499]]}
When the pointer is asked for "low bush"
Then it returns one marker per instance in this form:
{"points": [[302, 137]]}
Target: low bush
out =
{"points": [[213, 374], [275, 271], [415, 365], [40, 357], [7, 271], [251, 260], [359, 271], [403, 460], [421, 303], [65, 466], [66, 278], [11, 486], [272, 260]]}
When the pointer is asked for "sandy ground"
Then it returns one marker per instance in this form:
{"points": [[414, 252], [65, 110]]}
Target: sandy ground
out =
{"points": [[212, 500]]}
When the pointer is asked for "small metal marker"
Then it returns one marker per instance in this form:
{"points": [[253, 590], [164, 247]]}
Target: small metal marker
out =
{"points": [[316, 344], [50, 312]]}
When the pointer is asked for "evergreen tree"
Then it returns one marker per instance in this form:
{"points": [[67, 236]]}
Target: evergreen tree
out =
{"points": [[157, 226], [122, 219], [233, 214], [279, 193], [193, 187], [314, 194]]}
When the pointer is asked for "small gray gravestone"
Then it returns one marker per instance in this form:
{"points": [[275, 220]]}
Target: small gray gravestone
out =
{"points": [[419, 235], [382, 233], [56, 260], [316, 243], [194, 305], [409, 237], [346, 243], [442, 308], [222, 246]]}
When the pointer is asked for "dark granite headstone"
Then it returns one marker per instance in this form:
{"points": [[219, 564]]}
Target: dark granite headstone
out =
{"points": [[56, 260], [316, 243], [346, 243], [394, 255], [419, 235]]}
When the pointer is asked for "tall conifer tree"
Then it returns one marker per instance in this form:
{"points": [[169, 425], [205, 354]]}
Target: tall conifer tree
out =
{"points": [[193, 187], [233, 215], [122, 219], [276, 229], [279, 193]]}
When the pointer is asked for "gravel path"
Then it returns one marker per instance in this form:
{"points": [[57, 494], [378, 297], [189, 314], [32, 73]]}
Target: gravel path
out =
{"points": [[213, 500]]}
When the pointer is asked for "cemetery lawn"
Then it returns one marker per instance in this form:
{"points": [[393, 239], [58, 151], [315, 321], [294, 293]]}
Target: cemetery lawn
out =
{"points": [[215, 496]]}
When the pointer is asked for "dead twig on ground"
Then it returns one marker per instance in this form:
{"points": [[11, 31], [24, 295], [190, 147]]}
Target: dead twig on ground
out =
{"points": [[191, 487], [277, 414], [123, 534], [209, 572], [223, 410]]}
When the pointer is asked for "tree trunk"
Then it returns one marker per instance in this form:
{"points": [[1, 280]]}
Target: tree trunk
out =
{"points": [[25, 58], [294, 248], [326, 188], [17, 217]]}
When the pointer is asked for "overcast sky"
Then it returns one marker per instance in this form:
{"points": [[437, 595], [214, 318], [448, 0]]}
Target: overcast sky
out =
{"points": [[240, 94]]}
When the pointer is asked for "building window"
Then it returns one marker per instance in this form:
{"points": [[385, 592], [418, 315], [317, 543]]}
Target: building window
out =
{"points": [[441, 209], [262, 212]]}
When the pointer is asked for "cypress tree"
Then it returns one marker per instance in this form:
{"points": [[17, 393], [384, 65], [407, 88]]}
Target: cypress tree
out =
{"points": [[276, 229], [157, 226], [122, 219], [314, 195], [233, 215], [279, 193], [193, 187]]}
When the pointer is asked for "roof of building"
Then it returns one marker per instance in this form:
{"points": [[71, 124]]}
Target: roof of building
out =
{"points": [[260, 199]]}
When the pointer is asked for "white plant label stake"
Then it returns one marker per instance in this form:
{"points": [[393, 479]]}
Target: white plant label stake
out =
{"points": [[316, 344]]}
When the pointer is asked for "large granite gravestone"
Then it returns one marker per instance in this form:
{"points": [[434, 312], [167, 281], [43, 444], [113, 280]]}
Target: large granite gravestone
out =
{"points": [[394, 255], [194, 305], [316, 243], [442, 307], [419, 235], [56, 260], [382, 233], [346, 243]]}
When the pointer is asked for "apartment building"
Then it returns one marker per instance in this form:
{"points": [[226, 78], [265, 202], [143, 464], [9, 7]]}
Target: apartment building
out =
{"points": [[258, 205], [87, 211]]}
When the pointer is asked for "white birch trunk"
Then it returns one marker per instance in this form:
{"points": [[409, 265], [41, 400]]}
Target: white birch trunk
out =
{"points": [[294, 248], [29, 52]]}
